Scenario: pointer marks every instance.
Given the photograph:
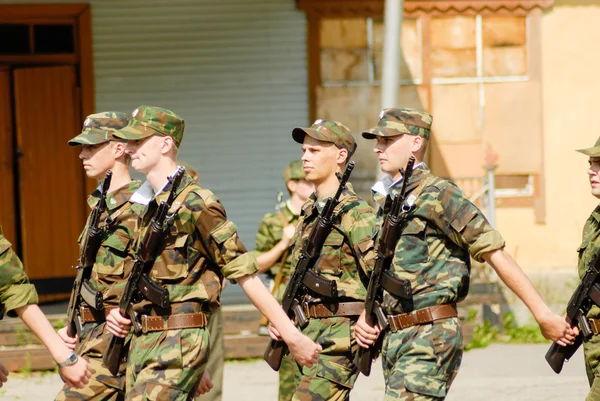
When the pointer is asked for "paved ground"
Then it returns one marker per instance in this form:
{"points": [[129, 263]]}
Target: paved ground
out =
{"points": [[496, 373]]}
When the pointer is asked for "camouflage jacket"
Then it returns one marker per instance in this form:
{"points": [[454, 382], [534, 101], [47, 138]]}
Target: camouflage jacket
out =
{"points": [[201, 246], [269, 234], [115, 256], [590, 246], [442, 229], [15, 289], [349, 242]]}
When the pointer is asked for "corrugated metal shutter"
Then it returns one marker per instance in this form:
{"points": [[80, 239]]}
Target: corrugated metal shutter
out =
{"points": [[234, 69]]}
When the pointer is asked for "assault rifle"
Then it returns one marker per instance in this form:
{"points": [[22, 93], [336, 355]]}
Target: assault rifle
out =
{"points": [[138, 284], [381, 277], [89, 249], [586, 295], [303, 279]]}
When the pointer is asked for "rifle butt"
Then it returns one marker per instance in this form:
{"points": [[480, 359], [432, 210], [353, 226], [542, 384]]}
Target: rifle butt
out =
{"points": [[72, 329], [557, 354], [274, 354], [112, 357], [363, 360]]}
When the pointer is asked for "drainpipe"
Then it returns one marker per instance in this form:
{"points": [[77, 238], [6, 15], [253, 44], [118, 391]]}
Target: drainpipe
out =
{"points": [[390, 77]]}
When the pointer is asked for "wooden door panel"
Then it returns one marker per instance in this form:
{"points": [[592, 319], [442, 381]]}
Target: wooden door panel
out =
{"points": [[51, 184], [7, 184]]}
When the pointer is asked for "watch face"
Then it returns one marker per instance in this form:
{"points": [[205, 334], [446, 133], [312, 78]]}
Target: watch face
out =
{"points": [[69, 361]]}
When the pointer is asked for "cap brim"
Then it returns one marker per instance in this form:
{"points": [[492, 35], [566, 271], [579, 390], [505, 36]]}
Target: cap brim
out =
{"points": [[299, 133], [380, 131], [88, 139], [134, 131], [593, 152]]}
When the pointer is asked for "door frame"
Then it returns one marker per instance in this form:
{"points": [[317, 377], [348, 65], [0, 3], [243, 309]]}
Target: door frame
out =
{"points": [[79, 15]]}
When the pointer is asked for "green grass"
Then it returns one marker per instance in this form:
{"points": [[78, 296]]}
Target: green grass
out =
{"points": [[510, 333]]}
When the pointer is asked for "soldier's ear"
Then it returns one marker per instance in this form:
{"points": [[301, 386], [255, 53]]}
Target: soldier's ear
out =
{"points": [[417, 144], [342, 156], [167, 145], [119, 148], [291, 185]]}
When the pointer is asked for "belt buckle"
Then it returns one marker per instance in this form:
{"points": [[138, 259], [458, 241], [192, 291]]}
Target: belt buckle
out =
{"points": [[143, 324], [392, 323], [306, 309], [594, 326]]}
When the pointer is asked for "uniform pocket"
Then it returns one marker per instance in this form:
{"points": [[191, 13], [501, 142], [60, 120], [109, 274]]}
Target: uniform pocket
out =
{"points": [[330, 261], [413, 248], [111, 256], [172, 262]]}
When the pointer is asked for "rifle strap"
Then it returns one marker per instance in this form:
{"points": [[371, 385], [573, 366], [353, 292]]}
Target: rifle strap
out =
{"points": [[181, 197], [422, 185]]}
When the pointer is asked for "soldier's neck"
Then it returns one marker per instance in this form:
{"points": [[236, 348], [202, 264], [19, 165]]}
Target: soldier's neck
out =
{"points": [[327, 187], [120, 177], [296, 204], [159, 174]]}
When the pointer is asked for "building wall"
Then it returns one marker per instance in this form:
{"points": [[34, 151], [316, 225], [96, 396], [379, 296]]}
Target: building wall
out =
{"points": [[570, 89], [235, 70]]}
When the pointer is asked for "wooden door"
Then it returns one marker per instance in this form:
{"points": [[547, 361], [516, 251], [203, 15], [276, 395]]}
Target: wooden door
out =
{"points": [[51, 183], [7, 184]]}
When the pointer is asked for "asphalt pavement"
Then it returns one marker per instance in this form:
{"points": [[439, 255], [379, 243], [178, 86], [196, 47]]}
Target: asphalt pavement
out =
{"points": [[500, 372]]}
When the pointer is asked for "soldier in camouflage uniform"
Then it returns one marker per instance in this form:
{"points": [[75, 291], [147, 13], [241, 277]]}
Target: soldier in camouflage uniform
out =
{"points": [[18, 298], [590, 246], [99, 153], [273, 240], [346, 259], [422, 349], [216, 358], [167, 359]]}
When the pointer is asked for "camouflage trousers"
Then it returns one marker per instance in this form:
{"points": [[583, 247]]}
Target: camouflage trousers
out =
{"points": [[166, 365], [591, 349], [420, 362], [334, 374], [287, 383], [216, 359], [103, 386]]}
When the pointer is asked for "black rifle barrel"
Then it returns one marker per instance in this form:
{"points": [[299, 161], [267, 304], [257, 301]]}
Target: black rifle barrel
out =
{"points": [[89, 248], [384, 255]]}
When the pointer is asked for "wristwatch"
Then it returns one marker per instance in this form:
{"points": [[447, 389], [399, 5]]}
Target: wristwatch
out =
{"points": [[71, 360]]}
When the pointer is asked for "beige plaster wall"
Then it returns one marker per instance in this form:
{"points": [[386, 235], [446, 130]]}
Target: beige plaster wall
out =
{"points": [[571, 120]]}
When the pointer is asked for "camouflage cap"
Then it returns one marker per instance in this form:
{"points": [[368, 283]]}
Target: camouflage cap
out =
{"points": [[294, 171], [149, 120], [328, 131], [393, 122], [593, 151], [98, 128]]}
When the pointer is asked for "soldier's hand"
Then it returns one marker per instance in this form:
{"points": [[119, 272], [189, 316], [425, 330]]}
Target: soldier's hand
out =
{"points": [[557, 329], [366, 332], [3, 374], [304, 350], [205, 384], [76, 375], [274, 333], [117, 324], [69, 341]]}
